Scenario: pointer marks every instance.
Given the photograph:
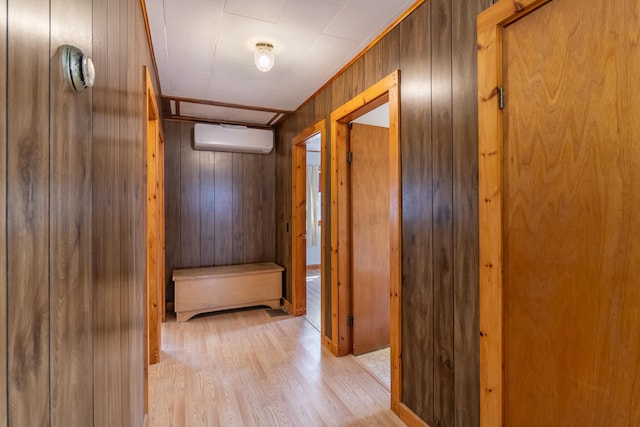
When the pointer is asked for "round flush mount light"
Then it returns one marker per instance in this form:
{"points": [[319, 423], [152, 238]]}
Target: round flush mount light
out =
{"points": [[77, 68], [264, 57]]}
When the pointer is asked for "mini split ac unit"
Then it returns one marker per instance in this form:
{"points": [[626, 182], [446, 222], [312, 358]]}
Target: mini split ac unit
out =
{"points": [[233, 138]]}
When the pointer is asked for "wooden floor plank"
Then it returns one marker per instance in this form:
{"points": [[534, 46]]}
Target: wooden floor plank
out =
{"points": [[245, 368]]}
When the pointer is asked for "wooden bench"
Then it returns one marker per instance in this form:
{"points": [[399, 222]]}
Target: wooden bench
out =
{"points": [[201, 290]]}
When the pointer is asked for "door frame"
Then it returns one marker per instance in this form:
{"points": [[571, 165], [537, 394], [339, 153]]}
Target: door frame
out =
{"points": [[298, 305], [385, 90], [154, 240], [490, 25]]}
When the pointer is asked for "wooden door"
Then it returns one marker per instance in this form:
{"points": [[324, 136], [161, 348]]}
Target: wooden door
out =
{"points": [[370, 237], [570, 180]]}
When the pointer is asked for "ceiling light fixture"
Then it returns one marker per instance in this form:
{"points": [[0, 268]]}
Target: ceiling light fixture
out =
{"points": [[264, 57]]}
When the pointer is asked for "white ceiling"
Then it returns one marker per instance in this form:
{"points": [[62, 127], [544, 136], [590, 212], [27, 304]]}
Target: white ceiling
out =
{"points": [[204, 50]]}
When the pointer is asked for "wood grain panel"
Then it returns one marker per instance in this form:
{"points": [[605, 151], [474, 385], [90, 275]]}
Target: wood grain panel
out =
{"points": [[27, 213], [172, 200], [373, 65], [283, 204], [125, 227], [305, 115], [268, 181], [356, 78], [137, 81], [442, 149], [282, 198], [322, 103], [103, 255], [223, 248], [339, 93], [207, 207], [71, 356], [118, 206], [572, 262], [107, 205], [252, 207], [113, 322], [390, 46], [3, 215], [190, 212], [465, 200], [74, 182], [237, 192], [417, 216]]}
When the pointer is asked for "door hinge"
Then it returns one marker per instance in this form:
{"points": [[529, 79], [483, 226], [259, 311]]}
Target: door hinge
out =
{"points": [[349, 157], [501, 98], [350, 321]]}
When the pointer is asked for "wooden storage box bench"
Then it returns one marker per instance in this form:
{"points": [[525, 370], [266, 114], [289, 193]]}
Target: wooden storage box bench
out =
{"points": [[201, 290]]}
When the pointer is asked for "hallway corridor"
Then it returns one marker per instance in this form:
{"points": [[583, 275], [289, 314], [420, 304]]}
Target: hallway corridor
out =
{"points": [[245, 368]]}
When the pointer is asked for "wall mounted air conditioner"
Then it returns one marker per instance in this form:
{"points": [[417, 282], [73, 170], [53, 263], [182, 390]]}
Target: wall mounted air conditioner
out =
{"points": [[233, 138]]}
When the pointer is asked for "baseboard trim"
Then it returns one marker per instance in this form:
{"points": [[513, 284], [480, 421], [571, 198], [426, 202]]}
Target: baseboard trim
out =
{"points": [[329, 345], [407, 415], [287, 306]]}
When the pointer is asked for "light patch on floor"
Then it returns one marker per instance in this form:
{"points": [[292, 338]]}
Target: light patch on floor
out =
{"points": [[313, 298], [378, 363]]}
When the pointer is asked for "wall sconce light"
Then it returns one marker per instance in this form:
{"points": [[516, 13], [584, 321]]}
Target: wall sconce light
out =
{"points": [[77, 68], [264, 57]]}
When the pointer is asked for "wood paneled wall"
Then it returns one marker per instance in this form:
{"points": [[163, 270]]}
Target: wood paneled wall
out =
{"points": [[220, 207], [435, 50], [71, 215], [3, 218]]}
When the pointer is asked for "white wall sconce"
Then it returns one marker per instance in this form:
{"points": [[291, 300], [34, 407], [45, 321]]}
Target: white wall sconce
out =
{"points": [[264, 57], [77, 68]]}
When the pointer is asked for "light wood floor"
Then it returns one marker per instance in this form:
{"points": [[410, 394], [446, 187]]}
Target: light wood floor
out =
{"points": [[313, 297], [245, 368], [378, 363]]}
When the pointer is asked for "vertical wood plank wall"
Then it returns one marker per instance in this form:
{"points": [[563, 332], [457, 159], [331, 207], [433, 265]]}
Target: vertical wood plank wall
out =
{"points": [[417, 229], [464, 122], [27, 213], [435, 50], [72, 189], [70, 225], [220, 207], [3, 217]]}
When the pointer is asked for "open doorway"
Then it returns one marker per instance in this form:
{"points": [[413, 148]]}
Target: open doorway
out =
{"points": [[342, 261], [313, 230], [369, 173], [308, 243]]}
